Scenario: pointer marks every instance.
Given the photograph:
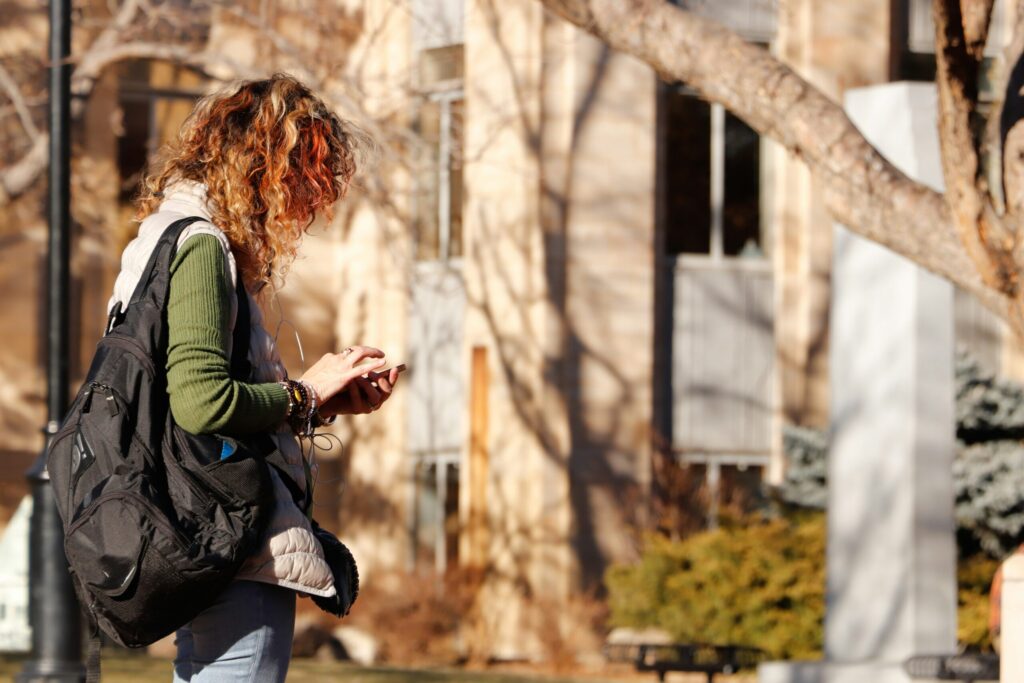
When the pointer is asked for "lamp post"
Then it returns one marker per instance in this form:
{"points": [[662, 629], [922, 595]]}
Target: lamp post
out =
{"points": [[53, 608]]}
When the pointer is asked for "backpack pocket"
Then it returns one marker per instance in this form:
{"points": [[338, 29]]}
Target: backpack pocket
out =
{"points": [[239, 479], [107, 543]]}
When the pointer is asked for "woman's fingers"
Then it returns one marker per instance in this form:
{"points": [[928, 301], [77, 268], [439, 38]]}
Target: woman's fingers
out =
{"points": [[364, 369], [328, 379], [335, 371], [356, 399], [354, 354]]}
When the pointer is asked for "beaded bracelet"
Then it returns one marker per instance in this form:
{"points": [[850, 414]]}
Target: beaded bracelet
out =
{"points": [[298, 398], [303, 408]]}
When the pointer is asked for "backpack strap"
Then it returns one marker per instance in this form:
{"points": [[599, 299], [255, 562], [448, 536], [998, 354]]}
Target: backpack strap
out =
{"points": [[159, 264], [155, 283]]}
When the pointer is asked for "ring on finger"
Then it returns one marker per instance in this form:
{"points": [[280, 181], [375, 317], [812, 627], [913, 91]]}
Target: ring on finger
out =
{"points": [[346, 351]]}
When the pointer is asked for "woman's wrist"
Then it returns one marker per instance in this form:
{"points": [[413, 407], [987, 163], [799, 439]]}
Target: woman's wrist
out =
{"points": [[303, 407]]}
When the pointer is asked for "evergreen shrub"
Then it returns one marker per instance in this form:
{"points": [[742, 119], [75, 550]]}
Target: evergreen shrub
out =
{"points": [[974, 579], [988, 471], [758, 584], [762, 583]]}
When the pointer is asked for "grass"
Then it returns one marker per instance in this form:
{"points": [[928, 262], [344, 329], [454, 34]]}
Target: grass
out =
{"points": [[131, 669]]}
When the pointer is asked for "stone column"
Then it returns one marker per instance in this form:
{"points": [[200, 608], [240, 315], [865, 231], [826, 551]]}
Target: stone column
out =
{"points": [[891, 565]]}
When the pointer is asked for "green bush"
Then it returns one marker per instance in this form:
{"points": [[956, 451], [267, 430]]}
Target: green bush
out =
{"points": [[974, 579], [760, 585]]}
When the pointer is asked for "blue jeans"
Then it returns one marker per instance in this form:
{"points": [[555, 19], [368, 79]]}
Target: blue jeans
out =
{"points": [[245, 636]]}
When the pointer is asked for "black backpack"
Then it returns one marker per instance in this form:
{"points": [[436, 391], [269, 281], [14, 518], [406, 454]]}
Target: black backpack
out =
{"points": [[156, 524]]}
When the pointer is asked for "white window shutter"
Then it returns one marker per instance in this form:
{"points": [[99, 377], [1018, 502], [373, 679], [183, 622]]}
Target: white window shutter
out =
{"points": [[437, 23]]}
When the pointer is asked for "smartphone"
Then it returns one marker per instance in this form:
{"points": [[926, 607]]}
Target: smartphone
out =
{"points": [[387, 371]]}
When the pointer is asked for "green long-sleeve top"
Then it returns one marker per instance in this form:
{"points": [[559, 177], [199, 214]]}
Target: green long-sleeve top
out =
{"points": [[204, 398]]}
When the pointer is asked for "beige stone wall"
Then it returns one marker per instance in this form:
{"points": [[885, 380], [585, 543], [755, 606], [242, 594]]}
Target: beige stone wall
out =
{"points": [[506, 290], [559, 272], [609, 278]]}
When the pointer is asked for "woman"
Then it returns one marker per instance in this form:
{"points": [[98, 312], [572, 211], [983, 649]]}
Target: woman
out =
{"points": [[259, 162]]}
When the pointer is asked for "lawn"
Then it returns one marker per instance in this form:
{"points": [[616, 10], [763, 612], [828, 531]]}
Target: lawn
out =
{"points": [[131, 669]]}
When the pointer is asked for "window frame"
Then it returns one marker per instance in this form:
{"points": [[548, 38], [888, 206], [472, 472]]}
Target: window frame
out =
{"points": [[443, 93], [441, 460], [716, 255], [714, 462]]}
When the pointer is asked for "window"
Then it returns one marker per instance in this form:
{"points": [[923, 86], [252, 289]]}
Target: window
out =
{"points": [[712, 188], [155, 98], [436, 23], [914, 42], [753, 19], [437, 213], [437, 31], [436, 389], [436, 522], [919, 28], [435, 397], [728, 485]]}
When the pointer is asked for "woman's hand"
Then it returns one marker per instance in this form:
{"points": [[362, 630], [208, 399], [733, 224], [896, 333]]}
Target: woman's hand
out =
{"points": [[362, 395], [335, 372]]}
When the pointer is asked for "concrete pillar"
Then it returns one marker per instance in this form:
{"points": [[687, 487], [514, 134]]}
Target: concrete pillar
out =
{"points": [[891, 558], [891, 550]]}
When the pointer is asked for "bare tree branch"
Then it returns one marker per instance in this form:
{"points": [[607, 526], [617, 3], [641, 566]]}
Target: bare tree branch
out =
{"points": [[18, 177], [110, 47], [958, 60], [861, 189], [82, 81], [18, 100], [977, 16]]}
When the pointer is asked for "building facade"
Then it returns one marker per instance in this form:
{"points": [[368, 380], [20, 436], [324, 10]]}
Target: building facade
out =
{"points": [[612, 295]]}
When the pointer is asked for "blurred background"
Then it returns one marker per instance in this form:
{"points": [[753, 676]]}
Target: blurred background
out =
{"points": [[612, 297]]}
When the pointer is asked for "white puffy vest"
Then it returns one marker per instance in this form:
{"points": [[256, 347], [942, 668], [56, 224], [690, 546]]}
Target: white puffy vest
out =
{"points": [[289, 554]]}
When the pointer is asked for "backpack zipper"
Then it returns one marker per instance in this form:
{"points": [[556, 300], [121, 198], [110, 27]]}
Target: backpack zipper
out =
{"points": [[135, 349], [157, 517]]}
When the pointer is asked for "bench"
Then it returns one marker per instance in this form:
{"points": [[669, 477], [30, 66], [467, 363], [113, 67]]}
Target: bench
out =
{"points": [[967, 667], [685, 657]]}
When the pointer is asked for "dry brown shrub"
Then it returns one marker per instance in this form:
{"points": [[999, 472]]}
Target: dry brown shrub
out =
{"points": [[417, 616], [571, 631]]}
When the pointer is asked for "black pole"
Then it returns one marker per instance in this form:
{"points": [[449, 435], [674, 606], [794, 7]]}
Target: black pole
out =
{"points": [[53, 608]]}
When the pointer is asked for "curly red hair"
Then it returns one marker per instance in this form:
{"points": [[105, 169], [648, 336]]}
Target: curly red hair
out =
{"points": [[272, 157]]}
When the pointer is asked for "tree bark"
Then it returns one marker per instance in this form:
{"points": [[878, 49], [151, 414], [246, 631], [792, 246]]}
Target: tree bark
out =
{"points": [[861, 189], [959, 49]]}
